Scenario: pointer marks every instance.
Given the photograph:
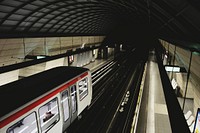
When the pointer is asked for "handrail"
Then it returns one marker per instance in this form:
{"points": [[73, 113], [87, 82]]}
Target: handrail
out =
{"points": [[176, 116]]}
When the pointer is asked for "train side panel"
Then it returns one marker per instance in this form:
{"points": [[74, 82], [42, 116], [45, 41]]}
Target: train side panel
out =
{"points": [[84, 92], [53, 111], [44, 117], [50, 117]]}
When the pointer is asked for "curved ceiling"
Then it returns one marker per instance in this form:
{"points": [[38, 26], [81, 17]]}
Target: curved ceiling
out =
{"points": [[177, 21]]}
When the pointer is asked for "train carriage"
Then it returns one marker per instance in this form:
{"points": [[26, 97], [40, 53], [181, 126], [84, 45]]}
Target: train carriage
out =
{"points": [[45, 102]]}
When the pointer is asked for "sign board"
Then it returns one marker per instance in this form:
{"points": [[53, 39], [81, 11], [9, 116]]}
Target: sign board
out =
{"points": [[197, 122], [170, 69], [177, 69]]}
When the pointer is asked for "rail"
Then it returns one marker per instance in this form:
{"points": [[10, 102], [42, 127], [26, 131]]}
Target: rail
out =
{"points": [[137, 110]]}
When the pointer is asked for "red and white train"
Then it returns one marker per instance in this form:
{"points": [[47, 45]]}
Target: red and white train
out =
{"points": [[45, 102]]}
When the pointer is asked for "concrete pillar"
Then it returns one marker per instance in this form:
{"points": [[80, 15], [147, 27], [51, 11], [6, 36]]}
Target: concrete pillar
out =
{"points": [[105, 53], [110, 52], [99, 54], [116, 49]]}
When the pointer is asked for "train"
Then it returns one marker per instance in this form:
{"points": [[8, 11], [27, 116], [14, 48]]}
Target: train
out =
{"points": [[48, 101]]}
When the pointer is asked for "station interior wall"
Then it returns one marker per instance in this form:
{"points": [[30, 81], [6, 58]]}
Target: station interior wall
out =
{"points": [[14, 50], [10, 48], [182, 58]]}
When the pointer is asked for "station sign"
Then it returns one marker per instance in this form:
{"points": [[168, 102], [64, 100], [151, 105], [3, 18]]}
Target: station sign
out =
{"points": [[177, 69]]}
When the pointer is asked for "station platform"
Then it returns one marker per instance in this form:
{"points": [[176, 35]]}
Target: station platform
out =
{"points": [[153, 116]]}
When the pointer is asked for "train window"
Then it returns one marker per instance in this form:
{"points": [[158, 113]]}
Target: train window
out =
{"points": [[65, 104], [83, 88], [49, 115], [73, 96], [26, 125]]}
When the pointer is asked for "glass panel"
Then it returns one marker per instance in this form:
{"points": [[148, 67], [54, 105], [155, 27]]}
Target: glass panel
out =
{"points": [[83, 88], [65, 104], [49, 114], [25, 125], [73, 96]]}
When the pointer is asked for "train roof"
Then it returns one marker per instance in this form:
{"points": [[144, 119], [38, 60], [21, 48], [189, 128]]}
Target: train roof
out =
{"points": [[15, 94]]}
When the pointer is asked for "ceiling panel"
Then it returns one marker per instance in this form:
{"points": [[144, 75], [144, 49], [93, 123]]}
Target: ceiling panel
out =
{"points": [[168, 19]]}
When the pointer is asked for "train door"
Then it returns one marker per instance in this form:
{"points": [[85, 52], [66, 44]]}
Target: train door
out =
{"points": [[65, 101], [69, 105], [73, 94]]}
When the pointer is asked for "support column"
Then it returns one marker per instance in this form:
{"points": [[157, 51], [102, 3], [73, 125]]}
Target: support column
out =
{"points": [[24, 47], [105, 53], [188, 76], [99, 53], [116, 50], [45, 46], [168, 55], [173, 63]]}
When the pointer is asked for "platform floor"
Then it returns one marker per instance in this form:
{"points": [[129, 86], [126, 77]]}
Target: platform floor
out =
{"points": [[153, 117]]}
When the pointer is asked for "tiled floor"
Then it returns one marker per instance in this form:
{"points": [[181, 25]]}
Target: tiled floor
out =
{"points": [[161, 109], [162, 124]]}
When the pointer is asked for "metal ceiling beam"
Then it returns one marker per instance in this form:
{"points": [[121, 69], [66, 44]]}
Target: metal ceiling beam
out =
{"points": [[160, 10], [149, 10], [101, 26], [162, 22], [90, 22], [107, 3], [65, 18], [174, 18], [16, 8], [51, 11], [89, 17], [77, 16], [34, 11], [61, 7], [82, 18], [67, 22]]}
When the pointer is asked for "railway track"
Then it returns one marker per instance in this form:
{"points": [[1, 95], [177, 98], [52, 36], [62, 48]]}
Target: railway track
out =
{"points": [[108, 94]]}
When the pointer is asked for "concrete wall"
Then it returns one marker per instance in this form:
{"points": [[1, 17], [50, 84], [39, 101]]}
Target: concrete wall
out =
{"points": [[28, 71], [11, 51], [182, 59], [14, 50], [79, 60]]}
